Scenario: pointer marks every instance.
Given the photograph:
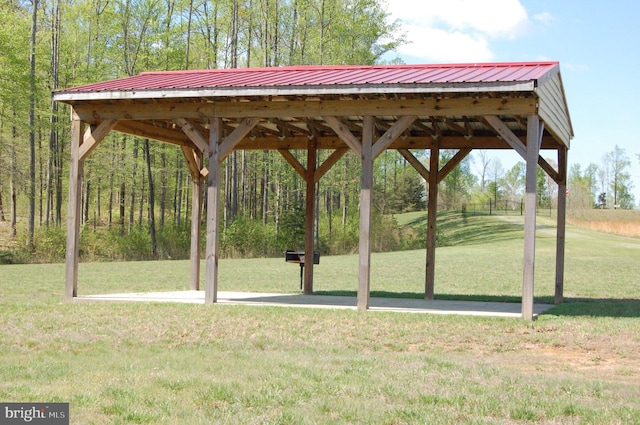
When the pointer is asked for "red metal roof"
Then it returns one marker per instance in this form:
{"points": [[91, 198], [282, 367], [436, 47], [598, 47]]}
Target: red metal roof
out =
{"points": [[297, 76]]}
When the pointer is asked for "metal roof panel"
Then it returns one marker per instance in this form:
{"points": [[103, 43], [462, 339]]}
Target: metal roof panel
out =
{"points": [[324, 76]]}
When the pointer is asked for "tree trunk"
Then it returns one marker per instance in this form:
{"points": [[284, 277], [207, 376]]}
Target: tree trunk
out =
{"points": [[32, 130], [52, 174], [122, 195], [87, 196], [132, 198], [152, 221], [141, 206], [163, 185], [189, 19], [98, 204], [12, 183], [264, 188], [345, 191]]}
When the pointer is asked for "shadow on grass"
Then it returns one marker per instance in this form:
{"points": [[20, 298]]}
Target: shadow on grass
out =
{"points": [[420, 295], [455, 228], [592, 307], [596, 307]]}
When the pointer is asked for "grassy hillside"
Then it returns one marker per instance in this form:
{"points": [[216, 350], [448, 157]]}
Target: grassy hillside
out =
{"points": [[175, 364]]}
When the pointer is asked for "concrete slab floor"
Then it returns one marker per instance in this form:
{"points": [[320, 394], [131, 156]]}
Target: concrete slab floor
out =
{"points": [[407, 305]]}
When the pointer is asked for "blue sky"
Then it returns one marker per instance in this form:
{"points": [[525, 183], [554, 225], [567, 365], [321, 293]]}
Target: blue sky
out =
{"points": [[595, 41]]}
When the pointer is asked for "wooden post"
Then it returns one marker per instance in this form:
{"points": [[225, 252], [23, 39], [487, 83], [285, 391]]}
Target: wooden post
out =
{"points": [[366, 202], [533, 128], [561, 225], [213, 198], [432, 211], [196, 218], [310, 213], [74, 210]]}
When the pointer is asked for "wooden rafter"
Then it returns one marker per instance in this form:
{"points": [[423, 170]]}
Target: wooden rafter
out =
{"points": [[422, 126], [292, 127], [456, 127]]}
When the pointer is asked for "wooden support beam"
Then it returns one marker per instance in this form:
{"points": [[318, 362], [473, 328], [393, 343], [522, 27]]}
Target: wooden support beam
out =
{"points": [[195, 166], [366, 205], [506, 133], [73, 212], [293, 161], [561, 225], [410, 142], [415, 163], [392, 134], [530, 216], [548, 169], [432, 211], [310, 214], [213, 202], [520, 147], [194, 135], [196, 220], [141, 129], [452, 163], [344, 133], [329, 162], [236, 136], [426, 107], [94, 136]]}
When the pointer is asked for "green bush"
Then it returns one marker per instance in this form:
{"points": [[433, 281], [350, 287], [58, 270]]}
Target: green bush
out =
{"points": [[174, 242], [248, 238], [50, 244]]}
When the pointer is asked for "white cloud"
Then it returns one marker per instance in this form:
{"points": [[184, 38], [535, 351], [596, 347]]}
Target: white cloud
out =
{"points": [[457, 30], [544, 18], [445, 46]]}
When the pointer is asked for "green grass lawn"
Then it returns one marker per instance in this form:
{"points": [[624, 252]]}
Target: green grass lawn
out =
{"points": [[120, 363]]}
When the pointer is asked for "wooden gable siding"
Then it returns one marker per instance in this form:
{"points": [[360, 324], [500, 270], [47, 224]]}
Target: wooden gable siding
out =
{"points": [[553, 109]]}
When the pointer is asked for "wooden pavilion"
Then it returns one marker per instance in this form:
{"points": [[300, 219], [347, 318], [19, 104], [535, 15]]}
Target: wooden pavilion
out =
{"points": [[366, 109]]}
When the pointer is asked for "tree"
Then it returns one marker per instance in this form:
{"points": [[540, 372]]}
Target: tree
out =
{"points": [[109, 39], [619, 182], [495, 174], [542, 189], [514, 182], [456, 186], [408, 192], [582, 186], [484, 168]]}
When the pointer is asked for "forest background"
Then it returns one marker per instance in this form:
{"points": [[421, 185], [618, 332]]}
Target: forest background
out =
{"points": [[135, 194]]}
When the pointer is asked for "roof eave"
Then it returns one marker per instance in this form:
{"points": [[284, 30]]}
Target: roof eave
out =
{"points": [[307, 90]]}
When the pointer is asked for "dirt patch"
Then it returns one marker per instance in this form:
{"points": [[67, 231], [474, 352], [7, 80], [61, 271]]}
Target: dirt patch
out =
{"points": [[596, 358]]}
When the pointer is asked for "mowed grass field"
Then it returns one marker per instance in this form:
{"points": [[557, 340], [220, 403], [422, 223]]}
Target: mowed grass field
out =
{"points": [[120, 363]]}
